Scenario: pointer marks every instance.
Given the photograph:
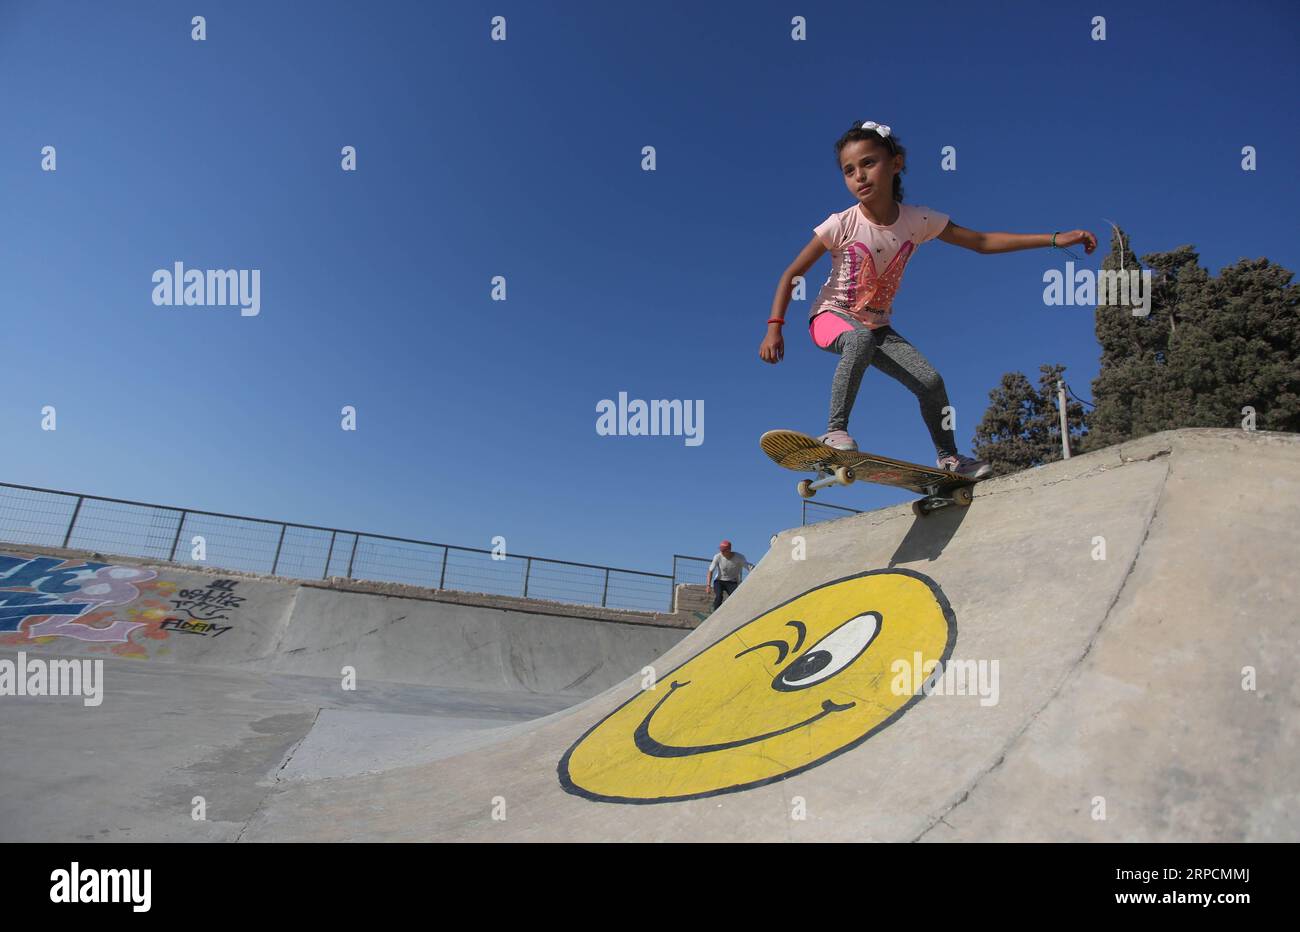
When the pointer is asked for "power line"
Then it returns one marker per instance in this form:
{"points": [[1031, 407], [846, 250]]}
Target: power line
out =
{"points": [[1076, 397]]}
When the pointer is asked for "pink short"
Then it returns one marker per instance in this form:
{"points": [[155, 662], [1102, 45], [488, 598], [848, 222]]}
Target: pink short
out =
{"points": [[825, 327]]}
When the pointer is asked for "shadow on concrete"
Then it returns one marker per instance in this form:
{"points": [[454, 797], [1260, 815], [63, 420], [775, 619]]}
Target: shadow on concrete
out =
{"points": [[927, 536]]}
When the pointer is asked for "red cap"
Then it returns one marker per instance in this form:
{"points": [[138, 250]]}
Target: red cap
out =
{"points": [[725, 545]]}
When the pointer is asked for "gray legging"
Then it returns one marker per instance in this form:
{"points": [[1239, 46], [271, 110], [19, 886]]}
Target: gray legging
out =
{"points": [[898, 359]]}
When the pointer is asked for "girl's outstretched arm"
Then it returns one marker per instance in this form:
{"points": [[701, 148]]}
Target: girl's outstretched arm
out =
{"points": [[772, 349], [986, 243]]}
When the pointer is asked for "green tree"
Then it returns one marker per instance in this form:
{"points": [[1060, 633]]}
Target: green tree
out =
{"points": [[1237, 345], [1134, 350], [1210, 347], [1021, 427]]}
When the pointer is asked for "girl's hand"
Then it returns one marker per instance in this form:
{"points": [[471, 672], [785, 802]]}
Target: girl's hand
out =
{"points": [[1075, 237], [772, 348]]}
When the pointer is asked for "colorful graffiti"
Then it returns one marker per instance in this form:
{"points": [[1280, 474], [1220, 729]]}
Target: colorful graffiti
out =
{"points": [[798, 685], [64, 594], [125, 610]]}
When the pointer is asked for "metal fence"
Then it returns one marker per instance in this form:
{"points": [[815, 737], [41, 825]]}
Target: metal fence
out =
{"points": [[822, 516], [51, 518], [689, 570]]}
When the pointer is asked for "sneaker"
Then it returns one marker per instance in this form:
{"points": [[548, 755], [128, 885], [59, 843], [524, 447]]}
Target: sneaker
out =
{"points": [[964, 466], [839, 439]]}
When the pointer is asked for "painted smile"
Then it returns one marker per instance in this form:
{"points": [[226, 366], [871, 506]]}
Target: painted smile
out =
{"points": [[728, 727], [649, 746]]}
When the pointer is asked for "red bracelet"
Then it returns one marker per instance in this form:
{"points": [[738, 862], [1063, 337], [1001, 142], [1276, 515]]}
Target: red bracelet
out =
{"points": [[775, 320]]}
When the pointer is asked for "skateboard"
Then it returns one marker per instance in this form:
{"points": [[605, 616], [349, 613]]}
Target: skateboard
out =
{"points": [[801, 453]]}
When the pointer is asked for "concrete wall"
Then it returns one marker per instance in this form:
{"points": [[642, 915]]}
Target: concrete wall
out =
{"points": [[693, 600], [72, 603], [469, 646]]}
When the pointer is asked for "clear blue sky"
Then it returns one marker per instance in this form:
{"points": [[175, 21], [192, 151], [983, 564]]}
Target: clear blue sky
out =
{"points": [[523, 159]]}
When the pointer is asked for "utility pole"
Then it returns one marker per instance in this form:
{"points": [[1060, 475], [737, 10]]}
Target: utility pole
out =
{"points": [[1065, 429]]}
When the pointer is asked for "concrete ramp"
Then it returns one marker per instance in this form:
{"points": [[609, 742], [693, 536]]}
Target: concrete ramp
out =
{"points": [[217, 686], [1100, 649]]}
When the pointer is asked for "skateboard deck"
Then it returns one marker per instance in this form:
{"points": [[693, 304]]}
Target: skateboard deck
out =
{"points": [[802, 453]]}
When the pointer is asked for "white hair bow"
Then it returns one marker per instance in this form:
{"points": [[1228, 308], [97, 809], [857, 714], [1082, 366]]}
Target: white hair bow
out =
{"points": [[880, 128]]}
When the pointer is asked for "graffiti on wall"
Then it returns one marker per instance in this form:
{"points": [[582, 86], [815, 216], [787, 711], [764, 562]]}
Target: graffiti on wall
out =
{"points": [[125, 610], [800, 684], [205, 607], [64, 594]]}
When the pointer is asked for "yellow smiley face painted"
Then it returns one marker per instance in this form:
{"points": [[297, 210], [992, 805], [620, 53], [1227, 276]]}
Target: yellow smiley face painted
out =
{"points": [[801, 683]]}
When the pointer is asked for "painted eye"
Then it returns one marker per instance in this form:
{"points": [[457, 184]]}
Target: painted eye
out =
{"points": [[831, 654]]}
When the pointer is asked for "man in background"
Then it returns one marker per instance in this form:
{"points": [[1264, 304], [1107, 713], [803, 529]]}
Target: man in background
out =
{"points": [[724, 572]]}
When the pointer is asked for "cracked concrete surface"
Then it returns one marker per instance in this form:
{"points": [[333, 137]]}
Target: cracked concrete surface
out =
{"points": [[1122, 714], [1126, 708]]}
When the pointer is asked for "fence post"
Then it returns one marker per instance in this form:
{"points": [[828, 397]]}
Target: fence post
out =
{"points": [[605, 594], [76, 511], [275, 564], [355, 538], [443, 578], [528, 569], [329, 556], [180, 525]]}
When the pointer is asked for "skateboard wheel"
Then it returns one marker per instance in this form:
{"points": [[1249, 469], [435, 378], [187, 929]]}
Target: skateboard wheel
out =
{"points": [[919, 509], [844, 475], [805, 489], [962, 495]]}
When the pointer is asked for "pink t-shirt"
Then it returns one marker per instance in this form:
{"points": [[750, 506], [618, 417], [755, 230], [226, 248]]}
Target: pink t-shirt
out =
{"points": [[867, 259]]}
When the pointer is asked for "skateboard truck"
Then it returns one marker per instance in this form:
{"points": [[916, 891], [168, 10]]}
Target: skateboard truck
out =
{"points": [[840, 475], [936, 495]]}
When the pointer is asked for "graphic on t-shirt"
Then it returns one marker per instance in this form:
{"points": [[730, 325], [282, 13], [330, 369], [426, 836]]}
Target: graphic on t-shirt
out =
{"points": [[858, 286], [872, 291]]}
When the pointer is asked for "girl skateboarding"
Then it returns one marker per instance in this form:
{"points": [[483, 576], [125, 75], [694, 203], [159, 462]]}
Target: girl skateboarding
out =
{"points": [[870, 244]]}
